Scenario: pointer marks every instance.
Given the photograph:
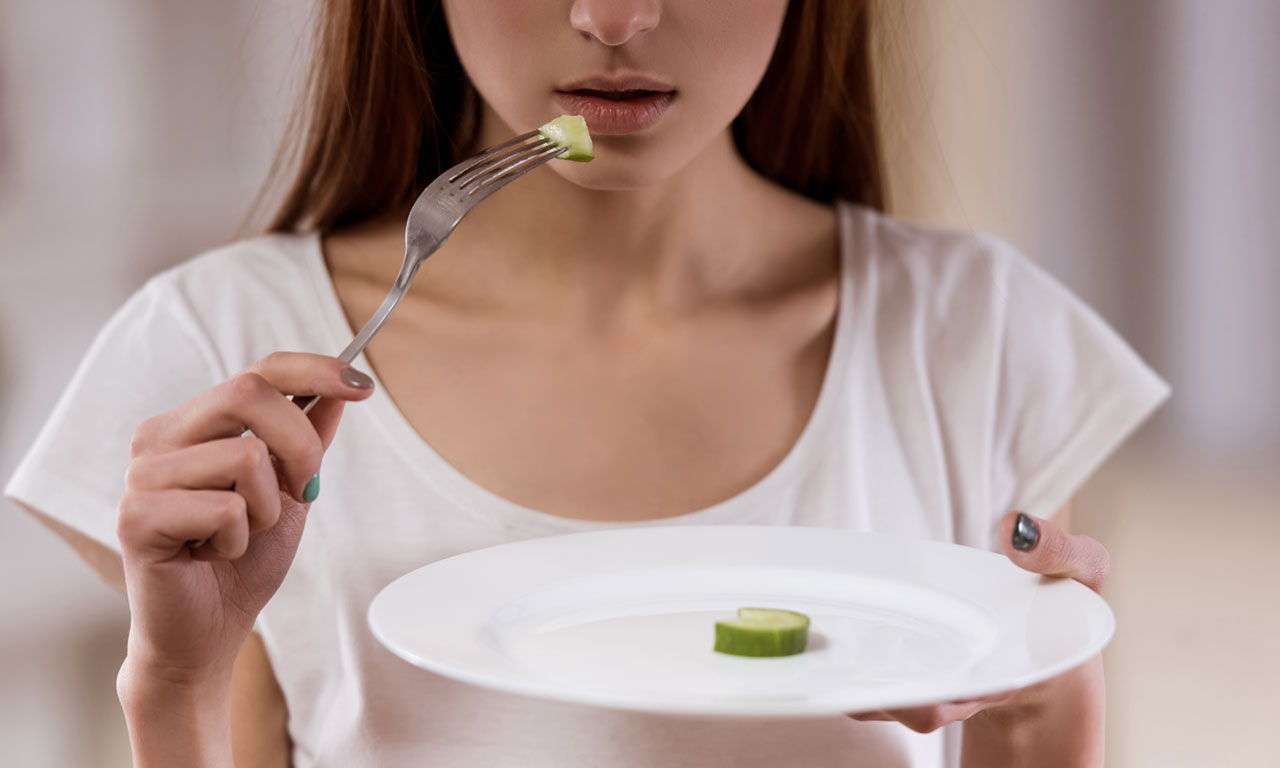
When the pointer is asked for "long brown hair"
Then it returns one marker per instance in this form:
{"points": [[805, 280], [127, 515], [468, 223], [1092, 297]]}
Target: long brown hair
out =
{"points": [[388, 107]]}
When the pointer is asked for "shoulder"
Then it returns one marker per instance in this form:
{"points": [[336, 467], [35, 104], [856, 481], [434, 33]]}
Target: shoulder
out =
{"points": [[948, 259], [955, 291], [249, 298], [244, 270], [959, 275]]}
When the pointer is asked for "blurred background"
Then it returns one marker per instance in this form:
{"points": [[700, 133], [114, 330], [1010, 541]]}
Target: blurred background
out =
{"points": [[1131, 148]]}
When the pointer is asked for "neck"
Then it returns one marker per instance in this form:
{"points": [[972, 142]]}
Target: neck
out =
{"points": [[547, 240], [547, 244], [556, 236]]}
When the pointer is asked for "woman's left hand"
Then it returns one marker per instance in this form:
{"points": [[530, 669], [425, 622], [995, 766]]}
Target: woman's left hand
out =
{"points": [[1041, 547]]}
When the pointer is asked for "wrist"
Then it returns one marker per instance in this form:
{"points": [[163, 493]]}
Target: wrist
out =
{"points": [[140, 684], [1055, 724], [1022, 709], [175, 717]]}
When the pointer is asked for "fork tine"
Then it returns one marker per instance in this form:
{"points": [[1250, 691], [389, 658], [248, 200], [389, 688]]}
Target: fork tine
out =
{"points": [[498, 160], [438, 210], [482, 170], [513, 160], [496, 178], [484, 157]]}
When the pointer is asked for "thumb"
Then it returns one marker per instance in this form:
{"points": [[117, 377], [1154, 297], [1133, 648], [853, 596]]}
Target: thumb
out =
{"points": [[270, 553], [325, 417], [1039, 546]]}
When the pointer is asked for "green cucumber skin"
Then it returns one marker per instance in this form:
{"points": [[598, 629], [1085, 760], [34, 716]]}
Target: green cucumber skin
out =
{"points": [[576, 157], [759, 644]]}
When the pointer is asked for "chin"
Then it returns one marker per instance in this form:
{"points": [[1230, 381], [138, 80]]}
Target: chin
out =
{"points": [[609, 181], [610, 172]]}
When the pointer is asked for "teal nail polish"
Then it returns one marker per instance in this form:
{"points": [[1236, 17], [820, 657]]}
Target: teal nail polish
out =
{"points": [[312, 490]]}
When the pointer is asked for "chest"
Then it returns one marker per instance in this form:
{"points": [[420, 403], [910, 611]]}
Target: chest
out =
{"points": [[601, 423]]}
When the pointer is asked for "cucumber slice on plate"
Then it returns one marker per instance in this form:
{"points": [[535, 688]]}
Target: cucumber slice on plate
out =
{"points": [[760, 632], [570, 132]]}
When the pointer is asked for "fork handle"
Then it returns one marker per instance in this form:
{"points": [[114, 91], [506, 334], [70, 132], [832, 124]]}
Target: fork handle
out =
{"points": [[357, 345]]}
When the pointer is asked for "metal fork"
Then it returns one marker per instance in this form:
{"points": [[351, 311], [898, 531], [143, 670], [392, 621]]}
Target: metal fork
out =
{"points": [[438, 210], [434, 215]]}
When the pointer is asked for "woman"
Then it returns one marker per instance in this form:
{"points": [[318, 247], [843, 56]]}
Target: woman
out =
{"points": [[709, 323]]}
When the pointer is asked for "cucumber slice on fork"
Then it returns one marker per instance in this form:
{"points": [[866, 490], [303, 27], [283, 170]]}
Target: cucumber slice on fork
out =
{"points": [[570, 132]]}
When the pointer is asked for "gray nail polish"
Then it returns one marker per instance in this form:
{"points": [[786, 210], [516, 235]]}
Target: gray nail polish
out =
{"points": [[353, 378], [1025, 533]]}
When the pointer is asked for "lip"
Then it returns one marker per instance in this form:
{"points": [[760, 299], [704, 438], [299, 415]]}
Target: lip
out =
{"points": [[611, 117], [635, 81]]}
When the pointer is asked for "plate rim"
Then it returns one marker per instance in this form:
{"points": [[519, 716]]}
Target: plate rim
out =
{"points": [[531, 688]]}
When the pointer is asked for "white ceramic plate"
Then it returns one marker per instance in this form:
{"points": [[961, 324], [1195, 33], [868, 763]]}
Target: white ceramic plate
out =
{"points": [[625, 618]]}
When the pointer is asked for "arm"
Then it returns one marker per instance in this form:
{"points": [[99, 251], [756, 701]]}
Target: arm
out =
{"points": [[1056, 723], [244, 725], [259, 717]]}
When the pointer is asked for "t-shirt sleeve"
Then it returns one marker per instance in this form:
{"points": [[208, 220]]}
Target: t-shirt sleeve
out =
{"points": [[149, 357], [1069, 391]]}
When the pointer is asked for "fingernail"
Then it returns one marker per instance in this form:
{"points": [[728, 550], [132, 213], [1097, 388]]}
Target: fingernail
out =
{"points": [[353, 378], [1025, 533], [312, 490]]}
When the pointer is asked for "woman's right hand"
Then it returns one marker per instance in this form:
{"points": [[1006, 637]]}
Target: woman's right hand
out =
{"points": [[194, 478]]}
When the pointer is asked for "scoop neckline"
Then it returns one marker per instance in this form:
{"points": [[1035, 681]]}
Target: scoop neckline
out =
{"points": [[450, 482]]}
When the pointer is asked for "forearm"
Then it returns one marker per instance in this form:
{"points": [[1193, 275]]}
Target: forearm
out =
{"points": [[1058, 726], [176, 723]]}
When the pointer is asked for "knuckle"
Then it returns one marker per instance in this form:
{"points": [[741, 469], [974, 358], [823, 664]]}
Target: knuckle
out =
{"points": [[269, 514], [253, 455], [230, 510], [917, 724], [303, 454], [275, 359], [932, 722], [144, 437], [938, 721], [311, 453], [247, 386], [136, 474], [130, 518], [923, 720]]}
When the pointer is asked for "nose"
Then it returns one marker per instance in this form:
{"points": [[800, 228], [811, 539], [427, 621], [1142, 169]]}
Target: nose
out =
{"points": [[615, 22]]}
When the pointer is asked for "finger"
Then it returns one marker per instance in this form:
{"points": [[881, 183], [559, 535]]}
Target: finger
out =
{"points": [[929, 718], [303, 374], [1041, 547], [213, 414], [270, 553], [239, 464], [156, 525], [877, 715], [325, 417], [249, 401]]}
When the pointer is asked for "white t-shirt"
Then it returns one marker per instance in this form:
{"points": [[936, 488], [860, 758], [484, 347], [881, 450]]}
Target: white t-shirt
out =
{"points": [[963, 382]]}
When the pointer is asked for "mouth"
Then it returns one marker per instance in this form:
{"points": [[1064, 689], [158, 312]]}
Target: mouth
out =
{"points": [[628, 95], [616, 106]]}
